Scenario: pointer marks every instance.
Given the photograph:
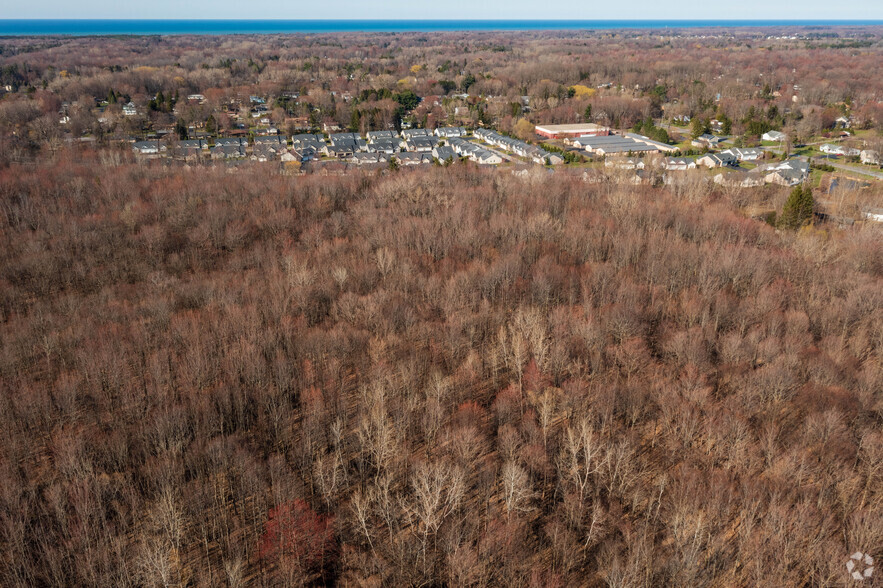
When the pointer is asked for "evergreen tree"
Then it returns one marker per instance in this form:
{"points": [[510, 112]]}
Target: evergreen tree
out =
{"points": [[211, 127], [699, 127], [798, 209], [181, 129], [588, 113]]}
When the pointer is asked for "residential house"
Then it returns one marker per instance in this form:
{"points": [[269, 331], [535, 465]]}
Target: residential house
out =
{"points": [[305, 153], [270, 140], [625, 163], [777, 136], [706, 141], [783, 176], [148, 147], [832, 149], [229, 151], [387, 146], [369, 158], [450, 132], [786, 173], [740, 179], [129, 109], [870, 157], [419, 144], [712, 160], [340, 150], [190, 149], [268, 151], [228, 141], [374, 136], [485, 134], [745, 153], [412, 158], [678, 163], [462, 147], [411, 133], [874, 215], [349, 141], [444, 153], [487, 157], [543, 157], [302, 141], [344, 137]]}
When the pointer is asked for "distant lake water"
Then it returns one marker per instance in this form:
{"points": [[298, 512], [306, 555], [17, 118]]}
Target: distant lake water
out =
{"points": [[225, 27]]}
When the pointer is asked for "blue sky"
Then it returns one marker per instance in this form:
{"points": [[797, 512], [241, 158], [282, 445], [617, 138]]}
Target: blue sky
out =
{"points": [[451, 9]]}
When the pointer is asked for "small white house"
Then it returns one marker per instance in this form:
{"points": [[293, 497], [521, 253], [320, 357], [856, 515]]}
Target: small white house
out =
{"points": [[774, 136], [870, 157], [745, 153], [874, 214], [678, 163], [832, 149]]}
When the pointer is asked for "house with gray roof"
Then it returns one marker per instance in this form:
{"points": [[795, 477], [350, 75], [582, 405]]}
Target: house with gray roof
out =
{"points": [[444, 153], [413, 158], [270, 140], [380, 135], [776, 136], [387, 146], [712, 160], [678, 163], [420, 144], [707, 141], [745, 153], [369, 158], [229, 151], [227, 141], [154, 147], [411, 133], [450, 132]]}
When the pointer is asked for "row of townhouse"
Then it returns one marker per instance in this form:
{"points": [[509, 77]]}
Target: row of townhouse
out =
{"points": [[520, 148], [476, 153], [785, 173], [405, 159], [346, 146], [790, 172]]}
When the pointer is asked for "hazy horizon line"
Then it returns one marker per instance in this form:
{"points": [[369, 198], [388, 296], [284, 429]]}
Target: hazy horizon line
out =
{"points": [[747, 20]]}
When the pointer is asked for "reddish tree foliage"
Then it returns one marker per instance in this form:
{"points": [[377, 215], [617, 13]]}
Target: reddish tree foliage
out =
{"points": [[293, 531]]}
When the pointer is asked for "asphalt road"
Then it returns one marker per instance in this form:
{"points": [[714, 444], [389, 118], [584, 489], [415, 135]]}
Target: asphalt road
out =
{"points": [[837, 165]]}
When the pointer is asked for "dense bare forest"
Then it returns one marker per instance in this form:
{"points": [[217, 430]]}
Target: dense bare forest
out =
{"points": [[450, 376]]}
